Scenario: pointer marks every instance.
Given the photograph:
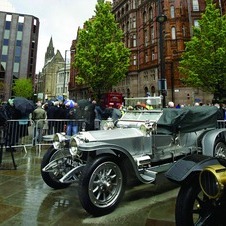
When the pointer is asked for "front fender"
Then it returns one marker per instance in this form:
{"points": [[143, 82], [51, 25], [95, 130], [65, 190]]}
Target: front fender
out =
{"points": [[209, 139], [185, 167], [102, 147]]}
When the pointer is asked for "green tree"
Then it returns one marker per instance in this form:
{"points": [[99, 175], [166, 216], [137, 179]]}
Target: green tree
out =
{"points": [[203, 63], [101, 58], [23, 88]]}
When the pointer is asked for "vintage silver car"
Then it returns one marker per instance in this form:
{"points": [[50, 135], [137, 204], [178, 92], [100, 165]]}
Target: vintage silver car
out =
{"points": [[103, 162]]}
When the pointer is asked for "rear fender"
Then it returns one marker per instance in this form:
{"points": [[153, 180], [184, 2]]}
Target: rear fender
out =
{"points": [[184, 168], [209, 139]]}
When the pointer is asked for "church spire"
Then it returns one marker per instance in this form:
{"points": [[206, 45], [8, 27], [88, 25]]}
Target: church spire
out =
{"points": [[50, 51]]}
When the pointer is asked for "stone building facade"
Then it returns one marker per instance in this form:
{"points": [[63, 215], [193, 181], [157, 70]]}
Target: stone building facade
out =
{"points": [[54, 63]]}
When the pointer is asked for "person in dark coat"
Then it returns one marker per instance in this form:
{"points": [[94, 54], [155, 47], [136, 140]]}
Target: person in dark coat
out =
{"points": [[12, 130]]}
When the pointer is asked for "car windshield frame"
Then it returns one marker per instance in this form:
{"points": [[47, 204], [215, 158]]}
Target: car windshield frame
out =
{"points": [[144, 115]]}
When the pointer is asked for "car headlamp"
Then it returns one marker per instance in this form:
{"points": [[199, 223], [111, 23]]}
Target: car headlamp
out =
{"points": [[74, 142], [147, 128], [108, 124], [213, 180], [58, 140]]}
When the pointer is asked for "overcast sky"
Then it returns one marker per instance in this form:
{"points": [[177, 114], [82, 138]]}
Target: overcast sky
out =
{"points": [[58, 18]]}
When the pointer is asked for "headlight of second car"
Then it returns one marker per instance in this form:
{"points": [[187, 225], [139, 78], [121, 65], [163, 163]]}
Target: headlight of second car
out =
{"points": [[58, 140], [74, 142], [213, 180]]}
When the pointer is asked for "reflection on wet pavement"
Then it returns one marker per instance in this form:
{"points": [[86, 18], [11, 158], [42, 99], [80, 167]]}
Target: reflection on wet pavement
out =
{"points": [[26, 200]]}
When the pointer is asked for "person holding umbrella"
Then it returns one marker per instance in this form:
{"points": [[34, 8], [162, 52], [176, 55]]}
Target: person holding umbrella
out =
{"points": [[26, 107], [11, 131], [72, 126]]}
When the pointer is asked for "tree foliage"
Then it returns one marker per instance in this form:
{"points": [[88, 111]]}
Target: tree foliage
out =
{"points": [[23, 88], [101, 58], [204, 61]]}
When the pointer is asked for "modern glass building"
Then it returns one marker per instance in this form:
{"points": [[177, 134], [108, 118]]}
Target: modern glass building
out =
{"points": [[18, 49]]}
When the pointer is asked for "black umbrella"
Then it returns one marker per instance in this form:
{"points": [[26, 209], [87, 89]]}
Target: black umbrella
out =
{"points": [[83, 103], [24, 105]]}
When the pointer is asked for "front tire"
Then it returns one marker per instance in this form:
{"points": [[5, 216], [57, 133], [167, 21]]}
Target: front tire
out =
{"points": [[52, 178], [194, 208], [102, 185]]}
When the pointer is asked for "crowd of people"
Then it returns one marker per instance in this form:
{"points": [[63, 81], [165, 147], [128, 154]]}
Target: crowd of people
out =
{"points": [[56, 116], [221, 106]]}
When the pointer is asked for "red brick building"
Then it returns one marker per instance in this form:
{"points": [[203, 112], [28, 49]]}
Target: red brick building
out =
{"points": [[142, 34]]}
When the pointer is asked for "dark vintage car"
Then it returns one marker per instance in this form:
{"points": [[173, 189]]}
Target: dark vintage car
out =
{"points": [[104, 161], [202, 196]]}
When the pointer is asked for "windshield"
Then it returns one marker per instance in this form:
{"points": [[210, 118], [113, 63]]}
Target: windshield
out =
{"points": [[142, 116]]}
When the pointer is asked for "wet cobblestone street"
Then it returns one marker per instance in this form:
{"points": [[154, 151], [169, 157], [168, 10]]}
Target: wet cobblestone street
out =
{"points": [[26, 200]]}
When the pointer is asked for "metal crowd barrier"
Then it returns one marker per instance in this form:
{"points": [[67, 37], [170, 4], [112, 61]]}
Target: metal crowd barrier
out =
{"points": [[26, 133]]}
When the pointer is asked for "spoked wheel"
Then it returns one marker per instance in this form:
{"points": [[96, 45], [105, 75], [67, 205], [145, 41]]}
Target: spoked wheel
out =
{"points": [[220, 149], [195, 208], [102, 185], [58, 170]]}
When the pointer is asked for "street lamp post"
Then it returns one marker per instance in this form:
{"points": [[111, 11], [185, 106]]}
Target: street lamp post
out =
{"points": [[162, 81], [65, 67]]}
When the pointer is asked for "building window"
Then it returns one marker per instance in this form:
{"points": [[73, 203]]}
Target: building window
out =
{"points": [[20, 27], [145, 37], [8, 17], [123, 28], [6, 34], [5, 50], [173, 33], [6, 42], [146, 57], [152, 55], [172, 11], [196, 23], [127, 26], [184, 31], [7, 25], [134, 22], [18, 42], [195, 5], [152, 35], [21, 19], [134, 60], [144, 17], [134, 4], [3, 65], [19, 35], [16, 67], [17, 59], [151, 14], [4, 58], [134, 40], [18, 51]]}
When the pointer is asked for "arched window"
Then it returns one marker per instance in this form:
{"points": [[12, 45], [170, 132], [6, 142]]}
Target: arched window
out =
{"points": [[151, 13], [144, 17], [172, 11], [195, 5], [173, 33]]}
